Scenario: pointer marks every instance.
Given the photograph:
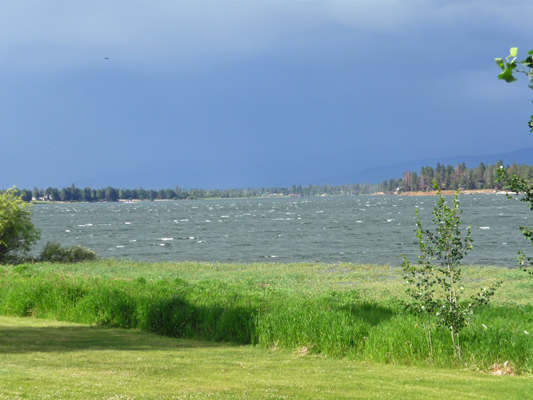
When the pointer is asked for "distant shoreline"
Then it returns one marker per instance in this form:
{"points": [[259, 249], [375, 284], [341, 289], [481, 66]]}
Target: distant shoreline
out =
{"points": [[419, 193]]}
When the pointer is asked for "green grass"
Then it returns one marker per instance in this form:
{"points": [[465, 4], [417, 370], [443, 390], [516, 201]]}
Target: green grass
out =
{"points": [[276, 306], [44, 359]]}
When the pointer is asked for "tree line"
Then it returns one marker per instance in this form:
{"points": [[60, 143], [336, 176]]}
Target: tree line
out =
{"points": [[453, 178], [73, 193]]}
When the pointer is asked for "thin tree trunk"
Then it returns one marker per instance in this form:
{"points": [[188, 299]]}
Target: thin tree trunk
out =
{"points": [[453, 341], [430, 338], [458, 347]]}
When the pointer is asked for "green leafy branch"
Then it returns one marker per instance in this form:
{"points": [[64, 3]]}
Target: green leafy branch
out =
{"points": [[17, 232], [523, 187], [509, 66]]}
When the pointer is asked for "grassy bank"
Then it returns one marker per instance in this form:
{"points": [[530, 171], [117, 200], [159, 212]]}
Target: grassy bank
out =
{"points": [[42, 359], [345, 310]]}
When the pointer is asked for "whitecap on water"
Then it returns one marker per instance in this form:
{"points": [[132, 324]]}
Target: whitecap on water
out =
{"points": [[67, 230], [119, 246], [133, 240], [127, 223], [484, 227], [358, 222], [167, 238]]}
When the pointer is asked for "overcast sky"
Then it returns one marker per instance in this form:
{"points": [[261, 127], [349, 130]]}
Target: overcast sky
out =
{"points": [[220, 94]]}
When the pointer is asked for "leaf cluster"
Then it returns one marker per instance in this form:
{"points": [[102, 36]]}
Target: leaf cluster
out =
{"points": [[509, 65]]}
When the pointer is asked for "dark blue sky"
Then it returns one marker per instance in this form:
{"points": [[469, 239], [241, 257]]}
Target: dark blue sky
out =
{"points": [[252, 93]]}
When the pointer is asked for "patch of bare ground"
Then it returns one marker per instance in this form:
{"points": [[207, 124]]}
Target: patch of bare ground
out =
{"points": [[451, 192], [501, 369]]}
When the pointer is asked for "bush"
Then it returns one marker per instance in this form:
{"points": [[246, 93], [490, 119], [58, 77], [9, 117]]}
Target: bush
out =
{"points": [[53, 252], [17, 232]]}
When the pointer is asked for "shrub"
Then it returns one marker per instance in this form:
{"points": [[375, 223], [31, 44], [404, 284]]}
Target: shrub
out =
{"points": [[17, 232], [53, 252]]}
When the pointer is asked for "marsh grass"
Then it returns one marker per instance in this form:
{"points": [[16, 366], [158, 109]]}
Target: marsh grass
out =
{"points": [[305, 307]]}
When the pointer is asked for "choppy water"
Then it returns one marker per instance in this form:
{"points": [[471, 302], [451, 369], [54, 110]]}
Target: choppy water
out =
{"points": [[361, 229]]}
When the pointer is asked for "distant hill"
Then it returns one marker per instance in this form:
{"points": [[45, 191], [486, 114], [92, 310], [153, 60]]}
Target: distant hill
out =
{"points": [[379, 174], [274, 171]]}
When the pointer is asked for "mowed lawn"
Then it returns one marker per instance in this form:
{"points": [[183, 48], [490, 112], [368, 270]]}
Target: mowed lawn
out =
{"points": [[42, 359]]}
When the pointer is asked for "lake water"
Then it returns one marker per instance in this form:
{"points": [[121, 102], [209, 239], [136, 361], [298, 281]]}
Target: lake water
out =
{"points": [[359, 229]]}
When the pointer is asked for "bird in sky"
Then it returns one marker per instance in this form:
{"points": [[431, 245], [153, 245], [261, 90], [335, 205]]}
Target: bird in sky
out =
{"points": [[107, 58]]}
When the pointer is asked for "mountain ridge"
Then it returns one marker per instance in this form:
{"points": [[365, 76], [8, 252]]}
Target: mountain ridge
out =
{"points": [[395, 171]]}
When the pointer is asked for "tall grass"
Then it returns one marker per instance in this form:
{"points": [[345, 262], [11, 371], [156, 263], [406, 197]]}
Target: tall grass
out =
{"points": [[328, 322]]}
